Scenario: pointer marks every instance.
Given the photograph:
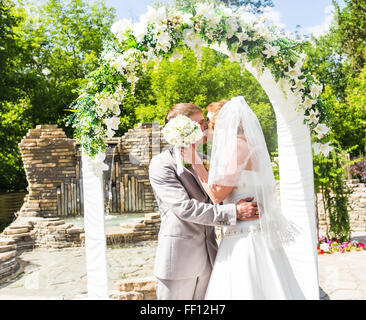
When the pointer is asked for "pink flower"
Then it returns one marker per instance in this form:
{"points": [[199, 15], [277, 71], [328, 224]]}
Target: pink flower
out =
{"points": [[341, 250], [362, 245]]}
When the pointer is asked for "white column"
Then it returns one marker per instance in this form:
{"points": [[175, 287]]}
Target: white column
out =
{"points": [[296, 182], [95, 238]]}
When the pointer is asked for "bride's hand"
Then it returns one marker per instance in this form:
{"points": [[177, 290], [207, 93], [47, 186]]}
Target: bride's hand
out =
{"points": [[189, 155], [246, 209]]}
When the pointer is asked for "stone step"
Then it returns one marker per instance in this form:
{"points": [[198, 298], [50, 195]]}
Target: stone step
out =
{"points": [[6, 241], [4, 256], [152, 216], [139, 285], [10, 231], [20, 235], [50, 222], [6, 248], [131, 295]]}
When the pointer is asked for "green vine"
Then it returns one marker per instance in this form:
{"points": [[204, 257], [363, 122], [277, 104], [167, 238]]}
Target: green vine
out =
{"points": [[329, 181]]}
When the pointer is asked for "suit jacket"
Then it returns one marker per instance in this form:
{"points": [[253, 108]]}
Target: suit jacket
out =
{"points": [[187, 234]]}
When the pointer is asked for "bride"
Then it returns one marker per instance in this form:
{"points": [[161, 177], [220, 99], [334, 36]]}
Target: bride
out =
{"points": [[251, 263]]}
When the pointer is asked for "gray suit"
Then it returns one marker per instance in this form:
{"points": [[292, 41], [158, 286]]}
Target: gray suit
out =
{"points": [[187, 243]]}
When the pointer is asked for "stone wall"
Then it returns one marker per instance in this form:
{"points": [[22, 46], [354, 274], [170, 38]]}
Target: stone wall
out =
{"points": [[52, 164], [357, 208], [49, 159]]}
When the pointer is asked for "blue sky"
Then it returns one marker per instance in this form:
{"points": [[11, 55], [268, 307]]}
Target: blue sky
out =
{"points": [[314, 16]]}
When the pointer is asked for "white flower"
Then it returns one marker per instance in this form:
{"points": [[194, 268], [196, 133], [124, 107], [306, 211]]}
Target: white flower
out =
{"points": [[187, 19], [222, 48], [110, 134], [120, 63], [112, 123], [106, 104], [232, 27], [154, 15], [139, 30], [120, 27], [237, 57], [163, 41], [322, 148], [324, 246], [259, 28], [271, 51], [242, 36], [321, 130], [316, 90], [267, 35], [308, 103], [119, 94], [299, 84], [313, 116], [182, 131], [97, 165], [228, 12], [294, 72], [193, 40], [46, 71], [208, 11], [246, 18]]}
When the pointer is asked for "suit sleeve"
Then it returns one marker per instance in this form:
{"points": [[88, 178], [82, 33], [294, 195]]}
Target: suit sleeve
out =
{"points": [[173, 196]]}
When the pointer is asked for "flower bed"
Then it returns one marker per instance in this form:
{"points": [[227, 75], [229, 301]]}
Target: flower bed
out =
{"points": [[329, 246]]}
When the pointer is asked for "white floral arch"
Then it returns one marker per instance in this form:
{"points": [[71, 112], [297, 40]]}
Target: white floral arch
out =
{"points": [[274, 61]]}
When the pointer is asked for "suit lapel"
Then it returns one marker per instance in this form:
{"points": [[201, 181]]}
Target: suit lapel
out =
{"points": [[190, 171]]}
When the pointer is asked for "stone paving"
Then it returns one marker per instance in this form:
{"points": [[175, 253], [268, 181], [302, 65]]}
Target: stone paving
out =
{"points": [[343, 276], [61, 274]]}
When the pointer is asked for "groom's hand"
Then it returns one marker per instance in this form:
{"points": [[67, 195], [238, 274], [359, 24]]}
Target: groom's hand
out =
{"points": [[189, 155], [246, 209]]}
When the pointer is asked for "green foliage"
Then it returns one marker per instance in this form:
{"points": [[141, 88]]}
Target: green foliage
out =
{"points": [[329, 175], [46, 49], [337, 60], [215, 78], [352, 30]]}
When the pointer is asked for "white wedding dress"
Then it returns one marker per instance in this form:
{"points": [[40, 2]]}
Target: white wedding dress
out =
{"points": [[245, 267]]}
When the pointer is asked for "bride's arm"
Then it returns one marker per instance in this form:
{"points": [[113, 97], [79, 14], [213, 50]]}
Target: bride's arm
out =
{"points": [[217, 193]]}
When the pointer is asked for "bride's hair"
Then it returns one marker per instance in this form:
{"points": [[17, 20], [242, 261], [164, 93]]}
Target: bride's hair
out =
{"points": [[215, 108]]}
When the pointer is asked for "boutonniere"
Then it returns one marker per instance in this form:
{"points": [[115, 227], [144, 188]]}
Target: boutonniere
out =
{"points": [[206, 164], [187, 165]]}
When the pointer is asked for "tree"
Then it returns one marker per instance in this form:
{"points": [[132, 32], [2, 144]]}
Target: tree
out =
{"points": [[46, 51], [214, 79], [338, 60], [351, 22]]}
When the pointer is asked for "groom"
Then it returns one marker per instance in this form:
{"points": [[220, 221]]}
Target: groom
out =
{"points": [[187, 244]]}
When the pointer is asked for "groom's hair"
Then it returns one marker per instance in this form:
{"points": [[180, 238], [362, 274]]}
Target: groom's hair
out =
{"points": [[186, 109]]}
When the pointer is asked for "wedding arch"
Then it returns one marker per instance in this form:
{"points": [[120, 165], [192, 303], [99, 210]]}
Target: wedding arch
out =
{"points": [[274, 59]]}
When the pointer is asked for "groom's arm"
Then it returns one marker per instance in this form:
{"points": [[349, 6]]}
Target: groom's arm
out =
{"points": [[173, 196]]}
